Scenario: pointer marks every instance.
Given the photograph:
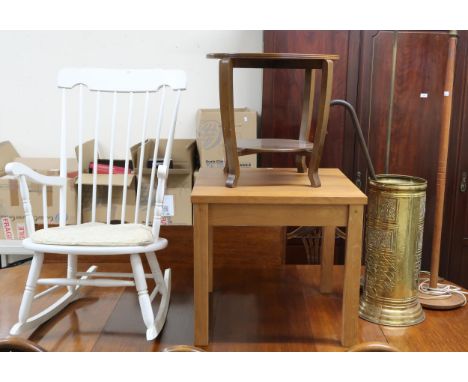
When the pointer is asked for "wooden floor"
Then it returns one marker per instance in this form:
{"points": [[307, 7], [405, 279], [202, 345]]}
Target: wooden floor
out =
{"points": [[257, 309]]}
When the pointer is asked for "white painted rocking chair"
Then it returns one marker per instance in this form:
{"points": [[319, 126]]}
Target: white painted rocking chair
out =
{"points": [[104, 238]]}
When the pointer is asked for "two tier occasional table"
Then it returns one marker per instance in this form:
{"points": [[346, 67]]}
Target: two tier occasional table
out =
{"points": [[279, 197], [303, 147]]}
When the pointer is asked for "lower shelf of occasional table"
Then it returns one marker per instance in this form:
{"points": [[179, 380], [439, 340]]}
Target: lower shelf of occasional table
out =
{"points": [[272, 145]]}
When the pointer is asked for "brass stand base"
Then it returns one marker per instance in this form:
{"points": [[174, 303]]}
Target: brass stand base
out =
{"points": [[391, 313], [452, 302]]}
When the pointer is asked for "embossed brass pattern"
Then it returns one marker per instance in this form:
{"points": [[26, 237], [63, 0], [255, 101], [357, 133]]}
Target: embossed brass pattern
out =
{"points": [[395, 222]]}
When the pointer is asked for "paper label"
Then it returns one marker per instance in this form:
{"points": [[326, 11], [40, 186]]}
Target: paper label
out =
{"points": [[209, 134], [21, 231], [423, 95], [168, 205], [217, 163], [446, 93], [166, 220], [7, 228]]}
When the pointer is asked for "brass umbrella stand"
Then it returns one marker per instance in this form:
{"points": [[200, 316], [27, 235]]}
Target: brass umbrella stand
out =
{"points": [[394, 229]]}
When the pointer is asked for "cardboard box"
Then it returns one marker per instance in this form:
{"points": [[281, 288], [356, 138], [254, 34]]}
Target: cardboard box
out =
{"points": [[11, 207], [102, 191], [7, 155], [210, 141], [177, 203]]}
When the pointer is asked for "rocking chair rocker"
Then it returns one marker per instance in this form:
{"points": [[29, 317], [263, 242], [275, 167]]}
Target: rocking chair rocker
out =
{"points": [[102, 238]]}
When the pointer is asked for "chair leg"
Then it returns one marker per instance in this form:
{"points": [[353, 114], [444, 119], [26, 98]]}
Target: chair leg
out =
{"points": [[164, 286], [156, 271], [71, 271], [143, 296], [29, 290], [28, 322], [301, 164]]}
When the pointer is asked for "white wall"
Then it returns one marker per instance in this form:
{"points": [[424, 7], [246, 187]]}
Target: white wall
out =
{"points": [[30, 101]]}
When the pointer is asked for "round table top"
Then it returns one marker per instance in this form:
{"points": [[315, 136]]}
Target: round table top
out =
{"points": [[275, 56]]}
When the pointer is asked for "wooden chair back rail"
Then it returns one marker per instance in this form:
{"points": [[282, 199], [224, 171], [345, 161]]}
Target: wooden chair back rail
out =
{"points": [[106, 86], [44, 206]]}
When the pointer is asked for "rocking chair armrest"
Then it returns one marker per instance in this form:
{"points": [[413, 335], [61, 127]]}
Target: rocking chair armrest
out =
{"points": [[18, 169]]}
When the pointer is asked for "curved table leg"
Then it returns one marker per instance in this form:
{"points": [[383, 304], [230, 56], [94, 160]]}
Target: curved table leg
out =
{"points": [[226, 101], [322, 122]]}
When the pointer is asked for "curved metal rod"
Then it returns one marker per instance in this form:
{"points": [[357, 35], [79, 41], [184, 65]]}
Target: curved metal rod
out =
{"points": [[357, 127]]}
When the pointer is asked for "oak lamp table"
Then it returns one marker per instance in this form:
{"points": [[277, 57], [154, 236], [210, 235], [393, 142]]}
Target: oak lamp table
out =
{"points": [[303, 147], [279, 197]]}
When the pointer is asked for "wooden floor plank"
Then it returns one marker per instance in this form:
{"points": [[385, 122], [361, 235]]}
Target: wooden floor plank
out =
{"points": [[125, 330], [252, 309], [259, 310], [325, 311], [77, 327], [441, 331]]}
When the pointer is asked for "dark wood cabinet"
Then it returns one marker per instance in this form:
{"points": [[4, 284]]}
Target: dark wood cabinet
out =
{"points": [[395, 79], [400, 97]]}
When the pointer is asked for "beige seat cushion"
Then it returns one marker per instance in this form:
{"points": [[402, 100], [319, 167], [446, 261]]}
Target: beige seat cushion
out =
{"points": [[95, 234]]}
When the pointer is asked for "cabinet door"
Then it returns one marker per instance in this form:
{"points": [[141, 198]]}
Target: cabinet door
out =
{"points": [[401, 92]]}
